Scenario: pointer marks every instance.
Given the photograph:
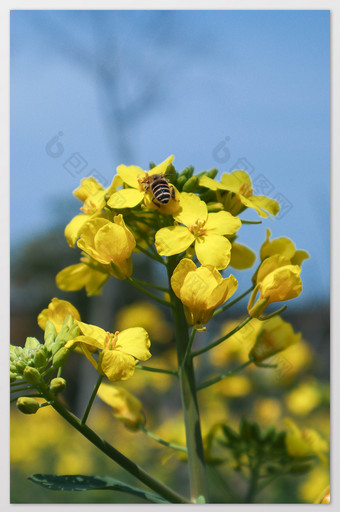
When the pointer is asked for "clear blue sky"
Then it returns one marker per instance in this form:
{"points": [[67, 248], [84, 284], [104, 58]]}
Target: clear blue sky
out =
{"points": [[135, 86]]}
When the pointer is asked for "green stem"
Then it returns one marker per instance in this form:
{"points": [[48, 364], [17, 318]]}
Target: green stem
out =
{"points": [[188, 349], [93, 396], [217, 342], [161, 441], [156, 370], [149, 294], [225, 375], [231, 303], [150, 285], [251, 221], [111, 452], [153, 256], [197, 472], [252, 485]]}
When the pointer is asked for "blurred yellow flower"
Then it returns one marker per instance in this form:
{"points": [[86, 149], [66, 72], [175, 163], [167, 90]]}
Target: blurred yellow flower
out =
{"points": [[201, 290], [239, 344], [303, 399], [240, 194], [206, 230], [234, 386], [315, 485], [274, 336], [276, 280], [126, 407], [147, 315], [305, 442], [267, 410], [56, 313], [120, 351]]}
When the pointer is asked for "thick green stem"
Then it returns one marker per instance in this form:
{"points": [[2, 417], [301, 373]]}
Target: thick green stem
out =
{"points": [[110, 451], [197, 472]]}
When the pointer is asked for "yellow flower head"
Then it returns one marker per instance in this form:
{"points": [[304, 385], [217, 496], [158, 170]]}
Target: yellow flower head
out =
{"points": [[274, 336], [305, 442], [126, 407], [135, 181], [240, 195], [88, 274], [93, 195], [276, 280], [106, 241], [119, 352], [56, 313], [201, 290], [206, 230], [283, 246]]}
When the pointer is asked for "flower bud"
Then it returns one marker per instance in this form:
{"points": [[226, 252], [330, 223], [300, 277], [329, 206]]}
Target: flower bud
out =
{"points": [[190, 184], [27, 405], [40, 359], [214, 207], [13, 377], [212, 173], [60, 357], [50, 334], [57, 385], [32, 375], [20, 365]]}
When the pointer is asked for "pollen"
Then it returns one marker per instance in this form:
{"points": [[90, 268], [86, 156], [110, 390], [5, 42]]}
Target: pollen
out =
{"points": [[246, 190], [197, 229], [110, 340]]}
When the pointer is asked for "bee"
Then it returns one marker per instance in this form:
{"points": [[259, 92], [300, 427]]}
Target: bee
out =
{"points": [[161, 190]]}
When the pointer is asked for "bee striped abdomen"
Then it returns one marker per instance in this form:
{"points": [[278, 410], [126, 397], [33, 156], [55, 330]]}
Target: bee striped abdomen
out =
{"points": [[161, 191]]}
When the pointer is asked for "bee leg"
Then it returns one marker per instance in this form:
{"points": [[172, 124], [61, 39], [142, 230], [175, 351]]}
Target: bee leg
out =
{"points": [[173, 193], [158, 205]]}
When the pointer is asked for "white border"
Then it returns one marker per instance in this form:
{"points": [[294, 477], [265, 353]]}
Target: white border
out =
{"points": [[6, 6]]}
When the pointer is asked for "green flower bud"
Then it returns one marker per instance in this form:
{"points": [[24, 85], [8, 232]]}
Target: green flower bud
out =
{"points": [[20, 364], [57, 385], [60, 357], [31, 343], [212, 173], [40, 359], [13, 377], [214, 207], [12, 368], [191, 184], [27, 405], [188, 172], [181, 181], [50, 334], [32, 375]]}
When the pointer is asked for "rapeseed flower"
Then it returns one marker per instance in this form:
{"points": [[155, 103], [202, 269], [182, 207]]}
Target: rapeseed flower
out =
{"points": [[239, 194], [201, 290], [126, 407], [56, 312], [87, 274], [206, 230], [305, 442]]}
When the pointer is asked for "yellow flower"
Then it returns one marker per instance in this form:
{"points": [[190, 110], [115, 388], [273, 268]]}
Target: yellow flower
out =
{"points": [[126, 407], [283, 246], [274, 336], [132, 177], [86, 274], [56, 313], [106, 241], [206, 230], [276, 280], [120, 351], [147, 315], [305, 442], [93, 195], [240, 194], [303, 399], [201, 290]]}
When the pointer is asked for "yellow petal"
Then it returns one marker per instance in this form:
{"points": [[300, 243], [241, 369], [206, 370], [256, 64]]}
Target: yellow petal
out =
{"points": [[173, 240], [56, 312], [134, 341], [162, 167], [73, 228], [299, 257], [126, 407], [213, 250], [262, 205], [130, 175], [241, 256], [89, 186], [283, 283], [235, 181], [116, 365], [207, 182], [191, 209], [75, 277], [125, 198], [270, 264], [92, 332], [222, 223], [179, 274], [283, 246]]}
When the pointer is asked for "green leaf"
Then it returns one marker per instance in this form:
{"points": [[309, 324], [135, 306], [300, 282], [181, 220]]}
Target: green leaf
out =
{"points": [[91, 483]]}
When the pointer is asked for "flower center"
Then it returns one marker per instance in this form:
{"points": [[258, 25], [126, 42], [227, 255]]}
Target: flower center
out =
{"points": [[89, 207], [197, 229], [110, 340], [246, 190]]}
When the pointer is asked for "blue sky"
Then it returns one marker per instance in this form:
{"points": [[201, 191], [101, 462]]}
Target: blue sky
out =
{"points": [[135, 86]]}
